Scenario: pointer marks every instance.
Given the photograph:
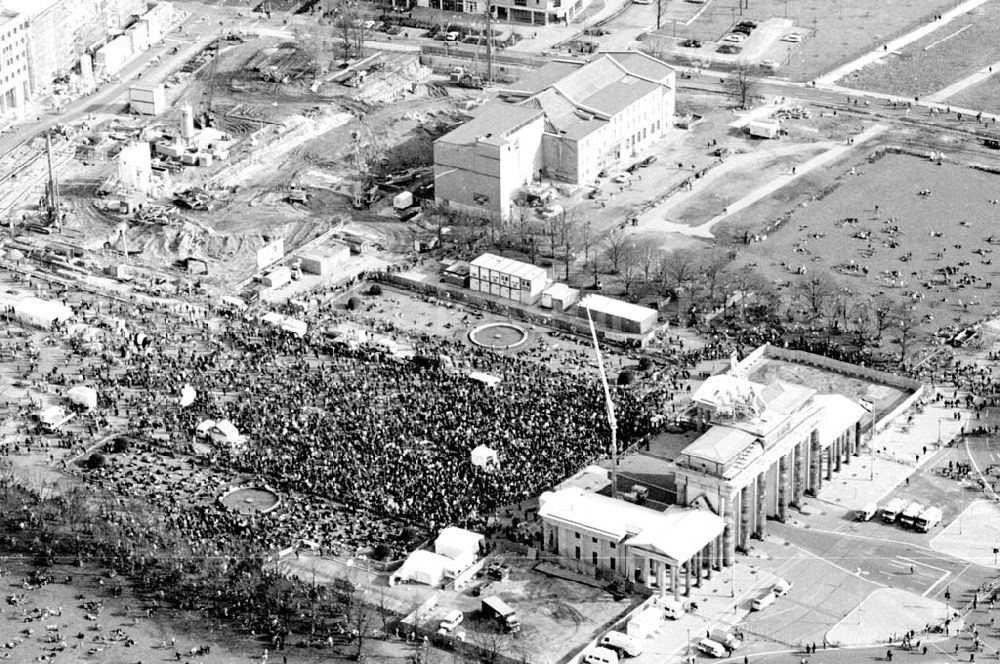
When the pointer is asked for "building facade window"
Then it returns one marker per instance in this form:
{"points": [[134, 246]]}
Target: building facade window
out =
{"points": [[577, 553]]}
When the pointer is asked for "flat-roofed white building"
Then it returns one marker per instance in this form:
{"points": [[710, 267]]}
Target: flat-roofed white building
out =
{"points": [[617, 314], [507, 278], [591, 532]]}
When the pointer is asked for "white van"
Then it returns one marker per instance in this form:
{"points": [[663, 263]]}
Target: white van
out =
{"points": [[727, 639], [623, 643], [762, 602], [892, 509], [672, 609], [712, 648], [601, 656], [867, 512], [781, 588], [929, 518]]}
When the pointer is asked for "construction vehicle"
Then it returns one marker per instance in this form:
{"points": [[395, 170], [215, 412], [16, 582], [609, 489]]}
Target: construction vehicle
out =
{"points": [[356, 78], [461, 77], [297, 195], [364, 195]]}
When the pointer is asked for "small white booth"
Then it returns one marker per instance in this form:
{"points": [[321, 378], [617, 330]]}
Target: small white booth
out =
{"points": [[188, 395], [559, 297], [84, 396], [485, 458], [489, 380]]}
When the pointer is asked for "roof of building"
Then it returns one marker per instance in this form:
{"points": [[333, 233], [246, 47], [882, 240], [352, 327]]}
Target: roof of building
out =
{"points": [[677, 533], [510, 266], [542, 78], [721, 444], [618, 95], [492, 124], [560, 291], [454, 537], [617, 308], [642, 64], [839, 413], [722, 389]]}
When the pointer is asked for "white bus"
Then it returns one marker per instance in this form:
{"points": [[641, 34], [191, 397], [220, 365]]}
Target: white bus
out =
{"points": [[929, 518], [909, 516]]}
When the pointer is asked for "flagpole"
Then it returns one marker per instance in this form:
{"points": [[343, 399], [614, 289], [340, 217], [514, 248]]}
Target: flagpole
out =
{"points": [[612, 422]]}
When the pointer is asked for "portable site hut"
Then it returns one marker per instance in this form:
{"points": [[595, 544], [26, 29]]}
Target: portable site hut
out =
{"points": [[507, 278], [763, 129], [617, 315], [458, 544], [560, 298], [42, 313], [84, 396], [484, 457]]}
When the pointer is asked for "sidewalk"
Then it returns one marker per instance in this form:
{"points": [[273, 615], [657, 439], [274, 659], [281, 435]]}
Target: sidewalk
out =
{"points": [[854, 486]]}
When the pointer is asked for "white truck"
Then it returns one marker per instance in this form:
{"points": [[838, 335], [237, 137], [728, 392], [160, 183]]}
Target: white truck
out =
{"points": [[892, 509], [909, 516]]}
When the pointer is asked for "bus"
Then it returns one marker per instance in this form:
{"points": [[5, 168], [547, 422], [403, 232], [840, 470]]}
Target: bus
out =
{"points": [[909, 516], [891, 510], [929, 518]]}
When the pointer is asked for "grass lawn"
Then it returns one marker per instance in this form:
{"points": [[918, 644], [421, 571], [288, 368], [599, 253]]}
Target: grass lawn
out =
{"points": [[983, 96], [969, 44], [837, 32], [899, 244]]}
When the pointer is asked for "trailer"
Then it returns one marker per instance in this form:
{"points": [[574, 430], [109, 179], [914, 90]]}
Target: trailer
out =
{"points": [[497, 609]]}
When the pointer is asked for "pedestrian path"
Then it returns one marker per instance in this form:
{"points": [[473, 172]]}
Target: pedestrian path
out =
{"points": [[962, 84], [884, 612]]}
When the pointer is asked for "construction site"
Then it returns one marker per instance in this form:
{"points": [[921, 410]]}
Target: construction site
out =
{"points": [[204, 160]]}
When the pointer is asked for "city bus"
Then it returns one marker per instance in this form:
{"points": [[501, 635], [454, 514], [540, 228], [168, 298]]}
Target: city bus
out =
{"points": [[909, 516]]}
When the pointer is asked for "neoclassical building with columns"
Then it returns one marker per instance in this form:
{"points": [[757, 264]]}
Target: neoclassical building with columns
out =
{"points": [[763, 448], [590, 532]]}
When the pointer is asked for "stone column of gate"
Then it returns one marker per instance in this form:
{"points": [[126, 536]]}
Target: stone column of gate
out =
{"points": [[839, 451], [783, 488], [857, 438], [729, 535], [745, 507], [798, 487], [848, 445], [761, 530]]}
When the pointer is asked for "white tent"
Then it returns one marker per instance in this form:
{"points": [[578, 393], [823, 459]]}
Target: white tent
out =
{"points": [[230, 302], [485, 458], [422, 567], [51, 415], [489, 380], [272, 318], [295, 326], [43, 313], [225, 432], [83, 396], [203, 429], [188, 395], [458, 544]]}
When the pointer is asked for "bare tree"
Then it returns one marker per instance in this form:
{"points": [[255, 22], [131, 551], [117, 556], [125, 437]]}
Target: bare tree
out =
{"points": [[629, 266], [675, 271], [712, 272], [742, 84], [882, 311], [648, 256], [815, 292], [614, 248], [906, 324]]}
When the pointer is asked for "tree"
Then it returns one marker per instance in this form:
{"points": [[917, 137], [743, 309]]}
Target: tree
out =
{"points": [[815, 292], [629, 267], [648, 256], [614, 248], [712, 273], [742, 84], [906, 324], [882, 310], [661, 9], [675, 272]]}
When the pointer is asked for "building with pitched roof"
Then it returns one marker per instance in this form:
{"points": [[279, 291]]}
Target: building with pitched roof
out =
{"points": [[590, 532], [569, 121]]}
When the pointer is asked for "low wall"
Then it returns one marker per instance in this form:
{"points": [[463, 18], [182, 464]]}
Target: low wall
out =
{"points": [[857, 371]]}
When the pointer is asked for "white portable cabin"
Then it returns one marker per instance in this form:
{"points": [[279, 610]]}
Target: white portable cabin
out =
{"points": [[424, 567], [295, 326], [644, 623], [762, 129], [489, 380], [459, 544], [41, 313], [402, 200]]}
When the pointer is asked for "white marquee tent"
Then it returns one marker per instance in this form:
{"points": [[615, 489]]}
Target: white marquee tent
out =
{"points": [[485, 458], [423, 566], [43, 313], [83, 396]]}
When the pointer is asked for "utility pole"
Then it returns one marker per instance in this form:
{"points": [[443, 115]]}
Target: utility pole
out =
{"points": [[612, 422], [53, 194], [489, 44]]}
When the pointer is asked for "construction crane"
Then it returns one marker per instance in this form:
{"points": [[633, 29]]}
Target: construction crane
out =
{"points": [[52, 212], [612, 421], [206, 113]]}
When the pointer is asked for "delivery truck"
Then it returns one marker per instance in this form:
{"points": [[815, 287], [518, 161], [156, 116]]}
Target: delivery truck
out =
{"points": [[499, 610]]}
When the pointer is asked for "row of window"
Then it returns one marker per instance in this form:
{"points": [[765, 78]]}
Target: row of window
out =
{"points": [[593, 540], [593, 559]]}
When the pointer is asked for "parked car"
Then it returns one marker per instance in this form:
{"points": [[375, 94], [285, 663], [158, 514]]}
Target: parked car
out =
{"points": [[712, 648], [596, 32], [691, 43], [793, 37], [451, 621], [734, 37], [769, 64], [651, 159], [781, 588], [622, 178], [729, 49]]}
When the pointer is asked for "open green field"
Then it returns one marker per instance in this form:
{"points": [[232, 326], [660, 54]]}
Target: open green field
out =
{"points": [[983, 96], [956, 50], [903, 248], [837, 32]]}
